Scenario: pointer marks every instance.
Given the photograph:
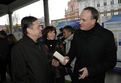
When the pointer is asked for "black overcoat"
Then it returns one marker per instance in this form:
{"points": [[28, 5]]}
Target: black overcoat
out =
{"points": [[97, 53], [29, 62]]}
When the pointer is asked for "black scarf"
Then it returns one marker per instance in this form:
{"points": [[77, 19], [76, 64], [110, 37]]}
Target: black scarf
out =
{"points": [[51, 44]]}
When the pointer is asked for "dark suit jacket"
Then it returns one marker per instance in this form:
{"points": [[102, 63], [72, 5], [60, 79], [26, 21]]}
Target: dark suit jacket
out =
{"points": [[97, 53], [29, 63]]}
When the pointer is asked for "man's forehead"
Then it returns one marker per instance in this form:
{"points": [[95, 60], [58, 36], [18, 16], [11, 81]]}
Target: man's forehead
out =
{"points": [[85, 13]]}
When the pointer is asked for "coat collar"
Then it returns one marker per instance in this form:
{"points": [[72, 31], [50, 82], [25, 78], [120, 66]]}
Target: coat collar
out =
{"points": [[69, 38], [30, 40], [98, 30]]}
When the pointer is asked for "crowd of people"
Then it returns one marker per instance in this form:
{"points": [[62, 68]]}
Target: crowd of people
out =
{"points": [[31, 60]]}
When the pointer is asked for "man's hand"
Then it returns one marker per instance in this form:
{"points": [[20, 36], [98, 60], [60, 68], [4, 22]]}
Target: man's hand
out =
{"points": [[55, 63], [84, 73], [64, 61]]}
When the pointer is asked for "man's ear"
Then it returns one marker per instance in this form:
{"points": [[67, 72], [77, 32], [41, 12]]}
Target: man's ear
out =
{"points": [[29, 30], [93, 21]]}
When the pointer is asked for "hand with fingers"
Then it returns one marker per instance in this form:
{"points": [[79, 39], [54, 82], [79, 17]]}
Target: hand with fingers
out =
{"points": [[64, 60], [55, 63], [83, 73]]}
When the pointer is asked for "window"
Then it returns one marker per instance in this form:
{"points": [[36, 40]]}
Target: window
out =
{"points": [[115, 13], [105, 14], [98, 5], [119, 1], [86, 4], [105, 3], [72, 8], [112, 2]]}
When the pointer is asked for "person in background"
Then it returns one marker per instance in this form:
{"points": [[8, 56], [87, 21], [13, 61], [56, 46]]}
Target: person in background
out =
{"points": [[60, 35], [52, 45], [94, 49], [4, 49], [12, 41], [29, 60], [68, 32], [68, 35]]}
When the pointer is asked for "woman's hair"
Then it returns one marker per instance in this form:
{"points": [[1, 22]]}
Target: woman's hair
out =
{"points": [[2, 32], [11, 39], [48, 29]]}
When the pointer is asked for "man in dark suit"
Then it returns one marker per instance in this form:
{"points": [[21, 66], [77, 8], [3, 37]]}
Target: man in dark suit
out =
{"points": [[94, 49], [29, 60]]}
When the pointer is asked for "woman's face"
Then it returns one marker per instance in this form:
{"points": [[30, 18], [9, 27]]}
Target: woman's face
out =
{"points": [[51, 35]]}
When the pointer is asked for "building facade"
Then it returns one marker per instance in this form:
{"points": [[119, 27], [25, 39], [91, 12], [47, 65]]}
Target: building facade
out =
{"points": [[72, 12], [105, 7]]}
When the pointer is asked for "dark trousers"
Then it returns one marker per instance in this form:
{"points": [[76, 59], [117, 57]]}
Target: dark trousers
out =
{"points": [[60, 80], [57, 75], [9, 67], [3, 70], [57, 79]]}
